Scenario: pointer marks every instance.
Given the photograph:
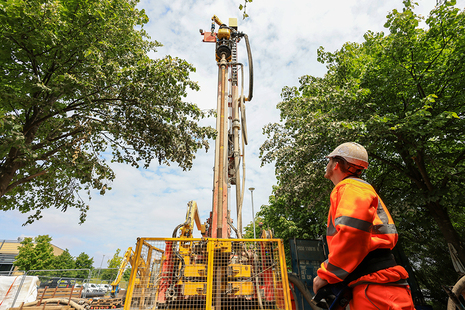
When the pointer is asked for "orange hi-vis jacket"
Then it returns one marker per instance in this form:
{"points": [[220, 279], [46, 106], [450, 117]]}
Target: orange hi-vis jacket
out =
{"points": [[358, 223]]}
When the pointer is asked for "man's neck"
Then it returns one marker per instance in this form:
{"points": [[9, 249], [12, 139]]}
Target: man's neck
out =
{"points": [[338, 177]]}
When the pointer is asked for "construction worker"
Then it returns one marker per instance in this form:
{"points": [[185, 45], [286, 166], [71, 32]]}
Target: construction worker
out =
{"points": [[360, 237]]}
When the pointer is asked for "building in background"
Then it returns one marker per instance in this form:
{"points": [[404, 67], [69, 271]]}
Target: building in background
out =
{"points": [[8, 251]]}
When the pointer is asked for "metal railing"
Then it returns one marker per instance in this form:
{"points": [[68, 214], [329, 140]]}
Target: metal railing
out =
{"points": [[180, 273], [61, 278]]}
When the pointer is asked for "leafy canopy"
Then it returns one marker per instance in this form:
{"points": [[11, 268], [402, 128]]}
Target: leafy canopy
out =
{"points": [[113, 266], [83, 261], [37, 254], [77, 87], [401, 96]]}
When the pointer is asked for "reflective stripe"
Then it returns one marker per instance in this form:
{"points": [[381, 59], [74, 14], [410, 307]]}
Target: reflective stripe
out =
{"points": [[360, 180], [381, 213], [384, 229], [401, 282], [354, 223], [331, 230], [338, 272]]}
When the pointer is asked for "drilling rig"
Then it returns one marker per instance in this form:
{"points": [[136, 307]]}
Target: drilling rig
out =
{"points": [[218, 270]]}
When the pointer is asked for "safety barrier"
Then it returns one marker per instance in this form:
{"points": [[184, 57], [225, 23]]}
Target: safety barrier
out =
{"points": [[177, 273]]}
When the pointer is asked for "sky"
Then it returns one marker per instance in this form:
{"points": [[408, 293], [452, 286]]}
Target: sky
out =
{"points": [[284, 38]]}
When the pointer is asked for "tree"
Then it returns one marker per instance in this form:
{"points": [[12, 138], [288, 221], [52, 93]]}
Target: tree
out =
{"points": [[25, 259], [64, 261], [249, 229], [77, 87], [127, 274], [401, 96], [35, 254], [113, 266], [293, 220], [83, 261]]}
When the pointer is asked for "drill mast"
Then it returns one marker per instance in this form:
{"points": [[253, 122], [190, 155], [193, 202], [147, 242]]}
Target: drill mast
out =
{"points": [[230, 121], [215, 272]]}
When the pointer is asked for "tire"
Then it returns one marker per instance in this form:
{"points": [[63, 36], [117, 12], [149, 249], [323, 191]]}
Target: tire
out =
{"points": [[458, 288]]}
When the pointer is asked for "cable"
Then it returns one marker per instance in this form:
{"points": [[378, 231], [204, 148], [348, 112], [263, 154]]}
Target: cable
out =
{"points": [[298, 284], [249, 54]]}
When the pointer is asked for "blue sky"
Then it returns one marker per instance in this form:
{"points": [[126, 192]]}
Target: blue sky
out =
{"points": [[284, 37]]}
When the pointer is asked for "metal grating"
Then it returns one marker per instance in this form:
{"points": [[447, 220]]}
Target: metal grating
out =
{"points": [[215, 274]]}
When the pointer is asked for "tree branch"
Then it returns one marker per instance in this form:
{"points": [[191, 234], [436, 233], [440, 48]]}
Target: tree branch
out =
{"points": [[41, 145], [24, 180]]}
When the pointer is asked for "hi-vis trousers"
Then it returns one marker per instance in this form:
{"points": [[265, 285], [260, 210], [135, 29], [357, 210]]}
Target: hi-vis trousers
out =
{"points": [[381, 297]]}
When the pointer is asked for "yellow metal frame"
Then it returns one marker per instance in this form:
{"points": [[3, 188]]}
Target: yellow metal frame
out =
{"points": [[214, 246]]}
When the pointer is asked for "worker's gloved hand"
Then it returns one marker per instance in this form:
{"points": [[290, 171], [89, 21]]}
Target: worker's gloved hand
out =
{"points": [[333, 296], [324, 297]]}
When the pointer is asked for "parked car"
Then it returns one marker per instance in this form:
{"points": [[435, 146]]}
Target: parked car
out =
{"points": [[58, 282], [92, 290], [90, 287], [104, 287]]}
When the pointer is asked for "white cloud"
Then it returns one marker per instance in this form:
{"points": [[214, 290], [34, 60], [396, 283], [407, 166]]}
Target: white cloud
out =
{"points": [[284, 37]]}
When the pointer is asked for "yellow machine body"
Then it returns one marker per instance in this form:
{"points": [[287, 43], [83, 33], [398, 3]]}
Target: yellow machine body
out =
{"points": [[211, 274], [224, 33]]}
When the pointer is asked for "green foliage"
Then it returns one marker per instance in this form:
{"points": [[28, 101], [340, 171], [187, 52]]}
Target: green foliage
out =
{"points": [[113, 266], [64, 261], [249, 228], [35, 254], [127, 274], [401, 96], [83, 261], [289, 220], [244, 8], [25, 259], [76, 85]]}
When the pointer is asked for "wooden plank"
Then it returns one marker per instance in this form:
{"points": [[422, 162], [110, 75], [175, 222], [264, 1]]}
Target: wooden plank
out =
{"points": [[62, 293], [47, 307], [61, 290], [59, 293]]}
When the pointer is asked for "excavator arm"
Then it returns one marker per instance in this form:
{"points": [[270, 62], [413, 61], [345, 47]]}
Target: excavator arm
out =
{"points": [[128, 256], [192, 217], [217, 20]]}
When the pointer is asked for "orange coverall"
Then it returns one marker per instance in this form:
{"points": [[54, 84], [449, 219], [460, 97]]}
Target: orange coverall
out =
{"points": [[358, 223]]}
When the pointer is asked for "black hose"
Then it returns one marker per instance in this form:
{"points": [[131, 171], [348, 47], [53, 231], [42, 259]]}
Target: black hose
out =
{"points": [[295, 298], [249, 54], [298, 284], [176, 229]]}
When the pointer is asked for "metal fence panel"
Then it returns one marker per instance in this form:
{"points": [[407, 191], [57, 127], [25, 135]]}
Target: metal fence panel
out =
{"points": [[176, 273]]}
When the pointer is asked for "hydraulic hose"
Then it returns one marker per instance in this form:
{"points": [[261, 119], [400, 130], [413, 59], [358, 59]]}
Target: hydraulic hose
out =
{"points": [[298, 284], [249, 55], [175, 232], [295, 298]]}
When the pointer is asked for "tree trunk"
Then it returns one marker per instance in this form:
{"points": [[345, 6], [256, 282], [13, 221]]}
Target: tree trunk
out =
{"points": [[7, 172], [441, 216]]}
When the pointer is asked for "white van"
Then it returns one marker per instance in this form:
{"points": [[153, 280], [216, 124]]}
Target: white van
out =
{"points": [[90, 287]]}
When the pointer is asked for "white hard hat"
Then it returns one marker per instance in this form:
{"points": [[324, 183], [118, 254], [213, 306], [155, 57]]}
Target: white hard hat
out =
{"points": [[353, 153]]}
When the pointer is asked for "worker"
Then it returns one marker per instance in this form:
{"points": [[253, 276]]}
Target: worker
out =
{"points": [[360, 237]]}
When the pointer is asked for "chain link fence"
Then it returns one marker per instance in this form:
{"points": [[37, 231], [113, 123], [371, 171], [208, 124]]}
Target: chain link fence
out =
{"points": [[20, 285]]}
